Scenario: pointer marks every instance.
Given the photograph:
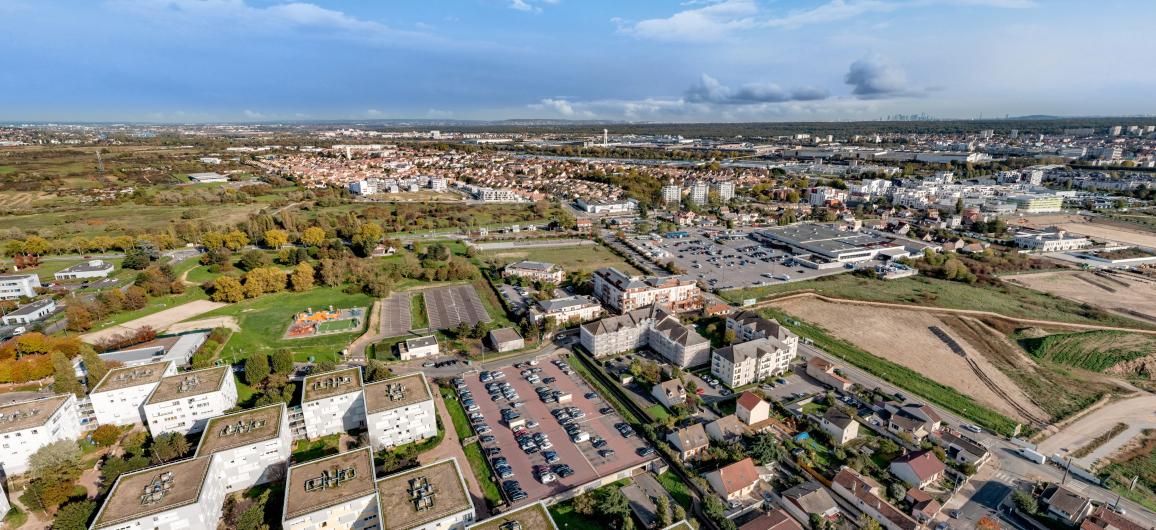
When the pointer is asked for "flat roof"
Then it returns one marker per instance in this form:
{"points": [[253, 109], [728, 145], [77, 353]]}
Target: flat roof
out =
{"points": [[421, 342], [131, 376], [396, 392], [329, 384], [398, 508], [190, 384], [87, 266], [240, 429], [329, 481], [28, 414], [31, 307], [176, 484], [531, 517]]}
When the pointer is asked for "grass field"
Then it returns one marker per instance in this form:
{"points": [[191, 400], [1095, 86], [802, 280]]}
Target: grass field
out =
{"points": [[419, 318], [677, 489], [565, 517], [306, 450], [457, 413], [1010, 300], [1097, 351], [337, 325], [1140, 462], [263, 321], [483, 473], [898, 375], [585, 258]]}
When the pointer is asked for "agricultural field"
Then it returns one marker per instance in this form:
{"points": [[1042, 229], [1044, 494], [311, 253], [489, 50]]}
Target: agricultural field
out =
{"points": [[263, 321], [585, 258], [1124, 294], [1006, 299]]}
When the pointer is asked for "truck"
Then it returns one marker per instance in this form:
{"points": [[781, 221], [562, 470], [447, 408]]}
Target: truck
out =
{"points": [[1032, 455]]}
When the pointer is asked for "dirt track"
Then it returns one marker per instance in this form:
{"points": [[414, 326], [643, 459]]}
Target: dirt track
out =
{"points": [[158, 321], [923, 342]]}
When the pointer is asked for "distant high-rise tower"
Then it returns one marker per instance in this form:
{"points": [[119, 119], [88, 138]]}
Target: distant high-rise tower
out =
{"points": [[348, 153], [605, 137], [1015, 133], [671, 192], [725, 189]]}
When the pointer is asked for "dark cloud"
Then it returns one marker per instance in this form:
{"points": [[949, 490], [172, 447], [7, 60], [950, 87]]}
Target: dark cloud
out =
{"points": [[875, 77], [710, 90]]}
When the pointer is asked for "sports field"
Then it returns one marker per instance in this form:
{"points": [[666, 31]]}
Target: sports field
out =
{"points": [[585, 258], [336, 326]]}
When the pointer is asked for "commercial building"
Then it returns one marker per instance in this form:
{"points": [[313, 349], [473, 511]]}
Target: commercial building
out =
{"points": [[29, 313], [119, 398], [1051, 240], [335, 492], [13, 286], [177, 349], [431, 497], [578, 308], [399, 410], [622, 293], [89, 269], [332, 402], [747, 362], [650, 326], [26, 426], [827, 243], [185, 402], [248, 448], [1038, 203], [177, 496], [418, 347], [203, 178], [535, 271]]}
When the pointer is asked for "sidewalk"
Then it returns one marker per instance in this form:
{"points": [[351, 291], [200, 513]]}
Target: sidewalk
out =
{"points": [[451, 446]]}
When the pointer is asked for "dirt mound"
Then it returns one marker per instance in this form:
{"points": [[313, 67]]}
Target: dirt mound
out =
{"points": [[1032, 333], [1143, 367]]}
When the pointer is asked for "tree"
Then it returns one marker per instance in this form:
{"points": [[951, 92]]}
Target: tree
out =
{"points": [[74, 516], [896, 491], [276, 238], [136, 258], [256, 369], [282, 361], [106, 435], [662, 506], [168, 447], [302, 277], [313, 236], [253, 259], [236, 240], [79, 317], [1025, 502], [987, 523], [64, 375], [227, 289], [614, 503], [867, 523], [57, 457], [93, 365], [585, 504], [679, 513]]}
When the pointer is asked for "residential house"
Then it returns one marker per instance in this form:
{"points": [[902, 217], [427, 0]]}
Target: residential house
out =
{"points": [[1106, 519], [772, 520], [823, 371], [918, 469], [916, 419], [669, 393], [841, 426], [1066, 505], [867, 496], [726, 428], [924, 508], [810, 498], [689, 441], [735, 481], [752, 409], [961, 449]]}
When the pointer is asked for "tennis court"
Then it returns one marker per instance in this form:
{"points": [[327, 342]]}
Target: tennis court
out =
{"points": [[449, 306]]}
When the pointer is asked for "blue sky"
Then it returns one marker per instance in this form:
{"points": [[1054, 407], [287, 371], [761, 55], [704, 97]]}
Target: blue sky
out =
{"points": [[645, 60]]}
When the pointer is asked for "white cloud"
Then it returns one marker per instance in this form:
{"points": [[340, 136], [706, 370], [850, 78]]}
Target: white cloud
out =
{"points": [[710, 90], [374, 113], [529, 6]]}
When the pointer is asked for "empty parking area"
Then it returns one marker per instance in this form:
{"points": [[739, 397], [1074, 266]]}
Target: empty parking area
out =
{"points": [[396, 315], [582, 457], [449, 306]]}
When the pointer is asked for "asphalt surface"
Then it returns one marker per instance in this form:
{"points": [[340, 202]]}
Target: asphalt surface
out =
{"points": [[447, 307]]}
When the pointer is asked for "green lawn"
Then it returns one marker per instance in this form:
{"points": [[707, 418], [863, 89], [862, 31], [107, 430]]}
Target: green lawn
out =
{"points": [[483, 473], [419, 318], [565, 517], [337, 325], [457, 413], [898, 375], [658, 412], [574, 258], [306, 450], [244, 392], [1007, 299], [677, 489], [201, 274], [155, 305], [263, 321]]}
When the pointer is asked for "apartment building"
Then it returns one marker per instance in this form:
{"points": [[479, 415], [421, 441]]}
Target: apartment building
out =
{"points": [[748, 325], [248, 448], [119, 398], [622, 293], [725, 189], [671, 193], [699, 192], [332, 402], [177, 496], [29, 313], [26, 426], [568, 309], [185, 402], [336, 492], [399, 410], [13, 286], [431, 497], [1052, 240], [1038, 203], [535, 271], [650, 326], [747, 362]]}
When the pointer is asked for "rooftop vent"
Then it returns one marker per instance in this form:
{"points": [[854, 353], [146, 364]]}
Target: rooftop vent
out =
{"points": [[157, 488], [421, 493], [330, 479]]}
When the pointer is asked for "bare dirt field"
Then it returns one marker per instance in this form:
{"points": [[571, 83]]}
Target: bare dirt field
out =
{"points": [[1080, 225], [1117, 292], [923, 342], [1136, 412], [158, 321], [206, 323]]}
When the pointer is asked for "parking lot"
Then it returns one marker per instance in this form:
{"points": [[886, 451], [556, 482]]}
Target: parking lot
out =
{"points": [[396, 315], [449, 306], [583, 458], [734, 261]]}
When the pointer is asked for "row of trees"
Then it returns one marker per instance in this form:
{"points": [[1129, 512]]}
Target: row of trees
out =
{"points": [[261, 280], [155, 281]]}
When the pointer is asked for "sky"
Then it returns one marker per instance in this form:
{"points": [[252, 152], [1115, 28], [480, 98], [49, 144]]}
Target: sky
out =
{"points": [[189, 61]]}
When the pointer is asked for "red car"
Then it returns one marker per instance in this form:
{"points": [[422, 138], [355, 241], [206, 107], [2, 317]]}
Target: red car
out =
{"points": [[700, 391]]}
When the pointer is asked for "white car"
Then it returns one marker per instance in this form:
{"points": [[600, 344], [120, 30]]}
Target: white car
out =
{"points": [[547, 478], [970, 427]]}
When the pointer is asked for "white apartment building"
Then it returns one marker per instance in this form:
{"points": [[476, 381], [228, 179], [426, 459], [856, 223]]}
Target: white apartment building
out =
{"points": [[679, 344], [399, 411], [699, 192], [576, 308], [178, 496], [431, 497], [438, 184], [418, 347], [366, 187], [497, 195], [248, 448], [13, 286], [819, 196], [332, 402], [1050, 240], [119, 398], [90, 269], [725, 189], [671, 193], [185, 402], [749, 325], [623, 293], [650, 326], [745, 363], [608, 207], [536, 271], [1038, 203], [27, 426], [336, 493]]}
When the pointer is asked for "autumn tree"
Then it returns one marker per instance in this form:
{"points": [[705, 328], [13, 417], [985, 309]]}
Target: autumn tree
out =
{"points": [[64, 376], [106, 435], [227, 289], [276, 238], [313, 236], [236, 240], [94, 366], [302, 277]]}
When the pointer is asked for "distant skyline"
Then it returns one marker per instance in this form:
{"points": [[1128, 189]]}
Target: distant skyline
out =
{"points": [[189, 61]]}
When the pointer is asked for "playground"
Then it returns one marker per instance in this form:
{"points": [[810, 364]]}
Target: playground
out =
{"points": [[310, 323]]}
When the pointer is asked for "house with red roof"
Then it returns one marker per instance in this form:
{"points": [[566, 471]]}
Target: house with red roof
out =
{"points": [[751, 409], [734, 481], [918, 469]]}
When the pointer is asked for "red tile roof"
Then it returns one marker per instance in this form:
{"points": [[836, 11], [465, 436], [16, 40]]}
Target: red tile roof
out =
{"points": [[738, 475], [749, 400], [923, 464]]}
